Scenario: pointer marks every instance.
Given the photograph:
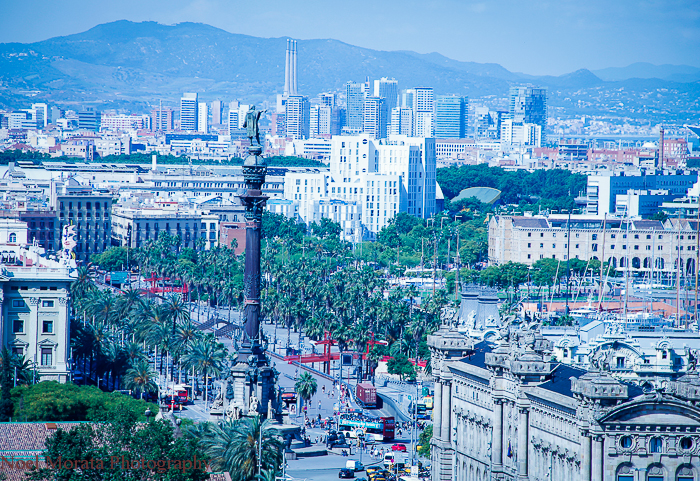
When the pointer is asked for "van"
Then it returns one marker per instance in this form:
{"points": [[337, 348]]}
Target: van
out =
{"points": [[389, 459], [354, 465]]}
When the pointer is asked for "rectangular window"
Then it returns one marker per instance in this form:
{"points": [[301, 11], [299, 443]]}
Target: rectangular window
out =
{"points": [[47, 327], [46, 356], [18, 326], [18, 351], [18, 303], [46, 303]]}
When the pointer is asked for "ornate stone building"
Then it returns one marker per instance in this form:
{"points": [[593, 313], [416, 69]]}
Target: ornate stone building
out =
{"points": [[507, 412]]}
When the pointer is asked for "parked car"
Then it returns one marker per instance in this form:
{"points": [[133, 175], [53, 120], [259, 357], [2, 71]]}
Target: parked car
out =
{"points": [[346, 473]]}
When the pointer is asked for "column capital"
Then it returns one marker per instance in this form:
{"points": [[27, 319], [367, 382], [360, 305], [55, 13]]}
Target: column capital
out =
{"points": [[524, 409]]}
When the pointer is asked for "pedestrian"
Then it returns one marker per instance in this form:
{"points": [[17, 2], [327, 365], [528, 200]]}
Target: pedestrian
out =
{"points": [[319, 405]]}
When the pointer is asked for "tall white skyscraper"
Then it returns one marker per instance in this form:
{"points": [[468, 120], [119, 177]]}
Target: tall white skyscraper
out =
{"points": [[188, 111], [402, 121], [320, 121], [355, 97], [374, 117], [42, 115], [389, 90], [216, 109], [424, 112], [203, 118], [297, 115]]}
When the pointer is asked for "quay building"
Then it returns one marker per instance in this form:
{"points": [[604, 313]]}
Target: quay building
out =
{"points": [[505, 409], [647, 247]]}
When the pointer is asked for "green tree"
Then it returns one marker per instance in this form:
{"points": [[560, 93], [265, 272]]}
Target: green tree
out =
{"points": [[424, 441], [234, 446], [206, 356], [306, 386], [119, 440], [401, 366], [326, 228], [113, 259], [140, 378], [5, 386]]}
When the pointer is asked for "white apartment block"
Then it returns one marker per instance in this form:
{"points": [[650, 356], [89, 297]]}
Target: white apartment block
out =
{"points": [[646, 247], [188, 111], [376, 178], [519, 133], [203, 118], [320, 121], [123, 122]]}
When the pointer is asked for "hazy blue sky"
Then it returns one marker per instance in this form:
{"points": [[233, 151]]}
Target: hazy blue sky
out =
{"points": [[536, 36]]}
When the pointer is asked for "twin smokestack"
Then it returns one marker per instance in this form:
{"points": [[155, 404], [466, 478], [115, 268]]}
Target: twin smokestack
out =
{"points": [[290, 69]]}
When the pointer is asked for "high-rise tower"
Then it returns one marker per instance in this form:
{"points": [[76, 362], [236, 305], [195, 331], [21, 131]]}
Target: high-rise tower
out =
{"points": [[188, 111], [529, 105]]}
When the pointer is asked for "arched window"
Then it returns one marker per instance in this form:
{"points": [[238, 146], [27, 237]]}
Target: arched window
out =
{"points": [[636, 263], [625, 473], [685, 473], [13, 238], [622, 262], [656, 472], [656, 445], [647, 262]]}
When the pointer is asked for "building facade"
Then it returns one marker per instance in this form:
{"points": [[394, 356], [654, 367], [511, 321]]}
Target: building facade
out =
{"points": [[35, 319], [451, 117], [188, 111], [642, 246], [136, 227], [507, 412]]}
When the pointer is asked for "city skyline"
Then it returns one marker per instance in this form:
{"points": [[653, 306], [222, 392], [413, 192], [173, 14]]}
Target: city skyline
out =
{"points": [[537, 39]]}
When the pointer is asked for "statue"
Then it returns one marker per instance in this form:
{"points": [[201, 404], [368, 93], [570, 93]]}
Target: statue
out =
{"points": [[692, 359], [229, 391], [252, 119], [269, 409], [601, 360], [254, 404]]}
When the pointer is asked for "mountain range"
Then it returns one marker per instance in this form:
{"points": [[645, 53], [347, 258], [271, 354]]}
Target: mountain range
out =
{"points": [[132, 64]]}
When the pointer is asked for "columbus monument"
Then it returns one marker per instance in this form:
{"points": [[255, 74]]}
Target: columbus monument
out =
{"points": [[250, 380]]}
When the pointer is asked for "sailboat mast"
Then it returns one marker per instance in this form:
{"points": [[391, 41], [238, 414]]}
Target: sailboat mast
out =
{"points": [[678, 272]]}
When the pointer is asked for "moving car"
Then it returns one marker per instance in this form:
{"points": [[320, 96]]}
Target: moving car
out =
{"points": [[399, 447], [354, 465], [346, 473]]}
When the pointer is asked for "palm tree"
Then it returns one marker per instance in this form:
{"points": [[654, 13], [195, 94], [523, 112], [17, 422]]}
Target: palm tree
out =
{"points": [[238, 446], [83, 283], [206, 357], [140, 378], [306, 386]]}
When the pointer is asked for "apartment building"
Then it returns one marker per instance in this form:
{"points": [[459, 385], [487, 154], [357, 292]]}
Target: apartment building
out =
{"points": [[642, 246], [135, 227], [35, 319]]}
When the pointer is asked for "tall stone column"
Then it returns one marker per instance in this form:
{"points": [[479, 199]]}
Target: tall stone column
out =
{"points": [[437, 409], [497, 436], [597, 459], [446, 417], [585, 456], [254, 170], [523, 425]]}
